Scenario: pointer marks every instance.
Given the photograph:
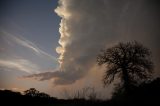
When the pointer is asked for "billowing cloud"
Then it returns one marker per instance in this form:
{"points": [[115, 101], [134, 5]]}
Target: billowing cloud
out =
{"points": [[90, 25], [19, 65]]}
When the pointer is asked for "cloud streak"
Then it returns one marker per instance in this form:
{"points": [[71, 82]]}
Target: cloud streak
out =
{"points": [[19, 65], [29, 45]]}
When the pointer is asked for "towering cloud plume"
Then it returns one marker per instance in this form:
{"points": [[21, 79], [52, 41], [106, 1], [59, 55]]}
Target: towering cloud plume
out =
{"points": [[90, 25]]}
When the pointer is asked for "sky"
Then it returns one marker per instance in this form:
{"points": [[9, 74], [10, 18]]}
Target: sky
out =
{"points": [[52, 45], [28, 38]]}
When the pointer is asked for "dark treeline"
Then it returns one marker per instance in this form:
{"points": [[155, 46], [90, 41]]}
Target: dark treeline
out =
{"points": [[145, 94]]}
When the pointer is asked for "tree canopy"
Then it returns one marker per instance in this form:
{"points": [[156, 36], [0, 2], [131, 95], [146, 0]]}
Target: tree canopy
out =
{"points": [[129, 61], [35, 93]]}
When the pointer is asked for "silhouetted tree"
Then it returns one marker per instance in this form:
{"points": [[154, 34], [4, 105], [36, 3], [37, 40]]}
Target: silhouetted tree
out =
{"points": [[31, 92], [35, 93], [129, 61], [43, 95]]}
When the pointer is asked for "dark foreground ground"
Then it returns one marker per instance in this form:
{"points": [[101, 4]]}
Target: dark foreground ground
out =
{"points": [[144, 95]]}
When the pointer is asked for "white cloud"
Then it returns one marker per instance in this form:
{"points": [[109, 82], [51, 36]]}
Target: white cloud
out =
{"points": [[90, 25]]}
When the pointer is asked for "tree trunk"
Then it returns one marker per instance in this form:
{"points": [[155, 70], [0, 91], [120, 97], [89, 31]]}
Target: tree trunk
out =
{"points": [[126, 81]]}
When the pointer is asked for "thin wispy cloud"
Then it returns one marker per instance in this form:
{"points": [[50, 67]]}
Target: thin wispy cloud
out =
{"points": [[28, 44], [19, 65]]}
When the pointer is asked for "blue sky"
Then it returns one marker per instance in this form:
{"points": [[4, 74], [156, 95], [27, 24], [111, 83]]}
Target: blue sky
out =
{"points": [[33, 19], [29, 33]]}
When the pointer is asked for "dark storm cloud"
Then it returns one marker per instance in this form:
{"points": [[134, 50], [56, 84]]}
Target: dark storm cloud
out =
{"points": [[90, 25], [60, 78]]}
